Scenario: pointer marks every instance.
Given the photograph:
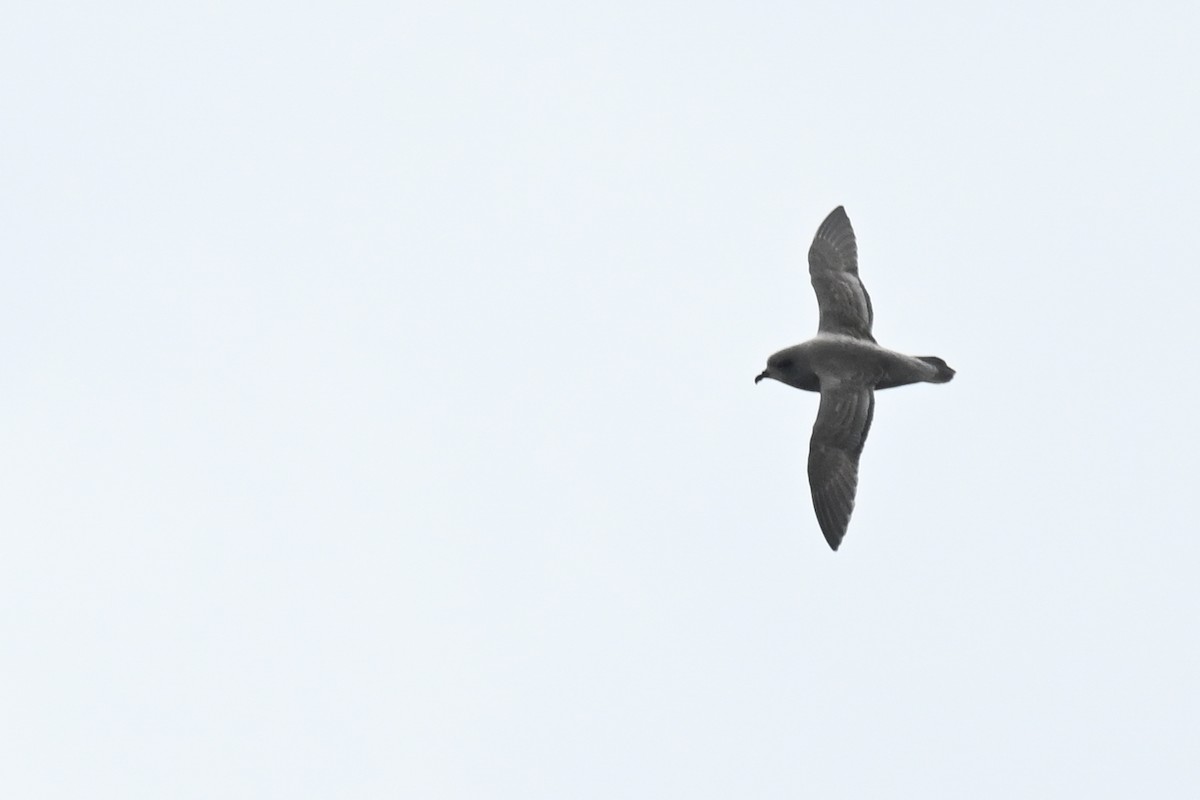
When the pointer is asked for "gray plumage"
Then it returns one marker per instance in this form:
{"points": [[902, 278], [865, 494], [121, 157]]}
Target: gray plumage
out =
{"points": [[846, 366]]}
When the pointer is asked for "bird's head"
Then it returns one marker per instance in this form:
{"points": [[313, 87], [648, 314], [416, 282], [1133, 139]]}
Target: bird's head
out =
{"points": [[778, 366], [790, 366]]}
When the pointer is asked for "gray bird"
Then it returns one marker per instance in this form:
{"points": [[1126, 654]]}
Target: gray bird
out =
{"points": [[846, 366]]}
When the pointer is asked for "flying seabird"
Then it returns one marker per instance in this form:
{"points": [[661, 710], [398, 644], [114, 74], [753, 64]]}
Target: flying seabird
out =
{"points": [[846, 366]]}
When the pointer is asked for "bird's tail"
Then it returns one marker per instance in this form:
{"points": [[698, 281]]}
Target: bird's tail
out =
{"points": [[944, 373]]}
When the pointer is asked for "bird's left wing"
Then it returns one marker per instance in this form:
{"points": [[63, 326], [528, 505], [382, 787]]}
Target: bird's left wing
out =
{"points": [[833, 268]]}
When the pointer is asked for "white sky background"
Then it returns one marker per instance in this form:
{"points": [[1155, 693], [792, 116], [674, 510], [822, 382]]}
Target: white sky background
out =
{"points": [[379, 417]]}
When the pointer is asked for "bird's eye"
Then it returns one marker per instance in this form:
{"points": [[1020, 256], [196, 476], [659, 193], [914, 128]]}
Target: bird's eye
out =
{"points": [[783, 363]]}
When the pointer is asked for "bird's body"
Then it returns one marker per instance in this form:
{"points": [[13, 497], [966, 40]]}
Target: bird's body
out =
{"points": [[845, 364], [840, 357]]}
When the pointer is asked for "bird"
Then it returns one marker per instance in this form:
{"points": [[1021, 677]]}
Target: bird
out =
{"points": [[845, 364]]}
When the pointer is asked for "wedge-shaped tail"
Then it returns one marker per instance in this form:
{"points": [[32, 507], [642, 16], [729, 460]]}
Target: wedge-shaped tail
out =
{"points": [[944, 372]]}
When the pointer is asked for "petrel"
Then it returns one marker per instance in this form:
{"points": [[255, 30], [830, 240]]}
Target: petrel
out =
{"points": [[846, 366]]}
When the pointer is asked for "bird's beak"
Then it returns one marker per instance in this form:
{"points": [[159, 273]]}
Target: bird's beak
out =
{"points": [[761, 376]]}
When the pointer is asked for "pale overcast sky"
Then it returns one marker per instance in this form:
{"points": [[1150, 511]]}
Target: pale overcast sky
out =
{"points": [[379, 413]]}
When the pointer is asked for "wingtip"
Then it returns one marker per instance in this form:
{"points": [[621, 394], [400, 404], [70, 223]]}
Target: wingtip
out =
{"points": [[836, 220]]}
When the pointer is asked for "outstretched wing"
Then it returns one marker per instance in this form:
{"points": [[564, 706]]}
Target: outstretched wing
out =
{"points": [[833, 267], [837, 441]]}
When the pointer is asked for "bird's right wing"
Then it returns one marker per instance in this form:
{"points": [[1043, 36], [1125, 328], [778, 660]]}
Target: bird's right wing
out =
{"points": [[837, 441], [833, 268]]}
